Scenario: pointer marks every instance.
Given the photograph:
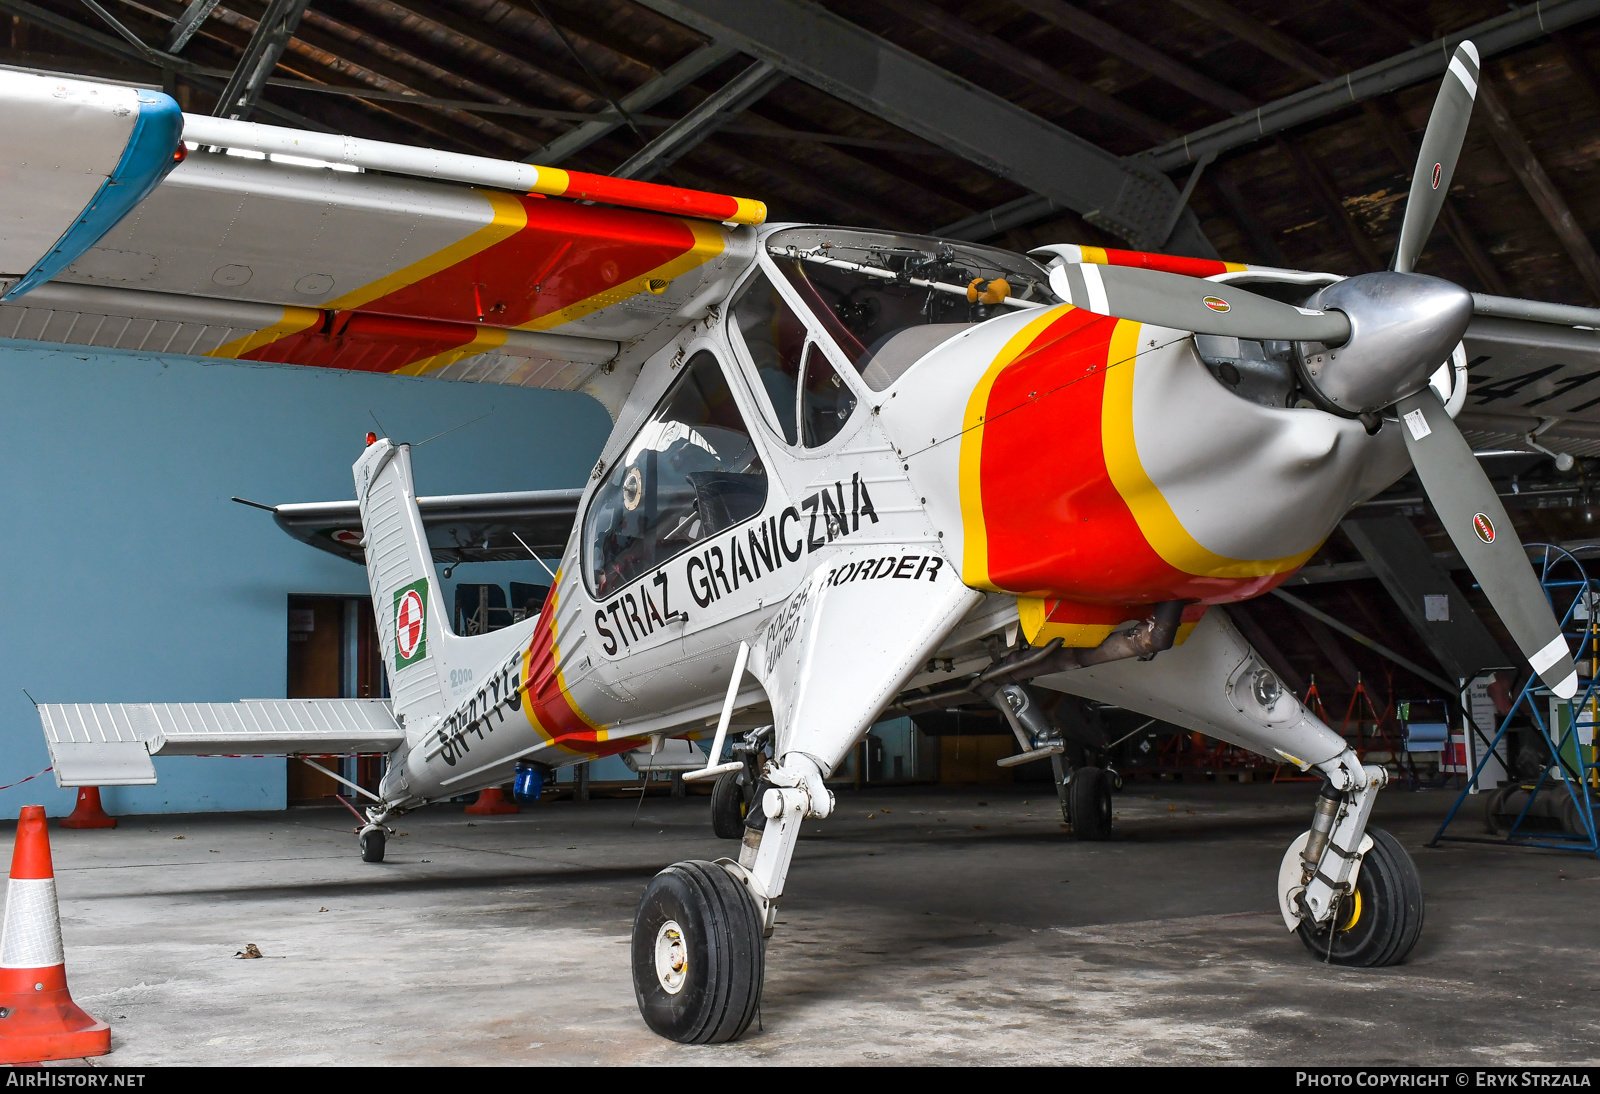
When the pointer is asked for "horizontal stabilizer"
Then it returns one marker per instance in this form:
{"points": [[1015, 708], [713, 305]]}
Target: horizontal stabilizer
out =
{"points": [[460, 527], [110, 744]]}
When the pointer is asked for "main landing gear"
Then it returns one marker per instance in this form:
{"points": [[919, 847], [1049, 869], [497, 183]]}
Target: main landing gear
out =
{"points": [[698, 950], [1351, 892], [733, 794], [1084, 789]]}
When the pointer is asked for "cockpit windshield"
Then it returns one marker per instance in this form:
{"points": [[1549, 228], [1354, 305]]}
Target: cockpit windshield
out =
{"points": [[887, 299]]}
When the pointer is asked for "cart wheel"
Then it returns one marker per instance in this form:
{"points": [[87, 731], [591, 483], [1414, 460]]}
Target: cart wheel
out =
{"points": [[1378, 923], [1088, 804], [728, 806], [697, 954]]}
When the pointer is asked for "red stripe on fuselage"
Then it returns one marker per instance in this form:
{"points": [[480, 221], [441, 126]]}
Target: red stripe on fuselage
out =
{"points": [[1057, 528]]}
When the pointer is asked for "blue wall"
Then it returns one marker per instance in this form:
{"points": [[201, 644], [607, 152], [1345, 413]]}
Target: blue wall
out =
{"points": [[129, 576]]}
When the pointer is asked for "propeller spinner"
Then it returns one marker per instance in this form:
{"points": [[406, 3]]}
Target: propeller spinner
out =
{"points": [[1367, 347]]}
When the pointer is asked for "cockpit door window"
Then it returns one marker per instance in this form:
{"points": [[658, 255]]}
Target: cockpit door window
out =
{"points": [[775, 338], [690, 472], [808, 400]]}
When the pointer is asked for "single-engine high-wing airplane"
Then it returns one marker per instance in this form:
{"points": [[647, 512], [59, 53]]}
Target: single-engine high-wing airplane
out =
{"points": [[850, 470]]}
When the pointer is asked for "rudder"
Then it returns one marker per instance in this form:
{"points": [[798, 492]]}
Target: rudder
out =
{"points": [[406, 601]]}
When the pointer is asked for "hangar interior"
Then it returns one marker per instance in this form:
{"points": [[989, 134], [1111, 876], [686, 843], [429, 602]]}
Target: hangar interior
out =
{"points": [[1279, 136]]}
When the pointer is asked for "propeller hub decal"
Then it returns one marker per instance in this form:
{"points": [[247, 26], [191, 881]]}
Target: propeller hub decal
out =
{"points": [[1482, 525], [1215, 303], [1438, 169]]}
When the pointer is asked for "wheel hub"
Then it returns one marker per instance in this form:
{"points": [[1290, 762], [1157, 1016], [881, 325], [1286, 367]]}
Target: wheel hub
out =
{"points": [[672, 957]]}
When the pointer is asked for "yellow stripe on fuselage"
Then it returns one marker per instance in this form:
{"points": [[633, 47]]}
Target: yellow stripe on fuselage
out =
{"points": [[974, 534], [1159, 524]]}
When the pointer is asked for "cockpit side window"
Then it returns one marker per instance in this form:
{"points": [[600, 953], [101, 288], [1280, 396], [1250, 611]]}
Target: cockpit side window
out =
{"points": [[690, 472], [774, 337], [825, 399]]}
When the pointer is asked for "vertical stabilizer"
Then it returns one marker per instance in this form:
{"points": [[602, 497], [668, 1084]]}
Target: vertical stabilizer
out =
{"points": [[412, 624]]}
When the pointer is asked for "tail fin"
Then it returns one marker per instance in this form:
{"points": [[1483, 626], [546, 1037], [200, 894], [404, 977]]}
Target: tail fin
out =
{"points": [[412, 622]]}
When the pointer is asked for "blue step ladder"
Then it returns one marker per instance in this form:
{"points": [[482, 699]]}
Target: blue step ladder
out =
{"points": [[1575, 600]]}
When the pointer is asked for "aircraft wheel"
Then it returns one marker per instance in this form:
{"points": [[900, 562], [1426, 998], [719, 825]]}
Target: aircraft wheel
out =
{"points": [[728, 806], [1378, 923], [697, 954], [1088, 805], [372, 840]]}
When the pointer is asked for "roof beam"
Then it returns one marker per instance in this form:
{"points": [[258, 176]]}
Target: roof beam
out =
{"points": [[1260, 238], [189, 22], [1312, 172], [1025, 65], [717, 110], [1402, 560], [1269, 40], [74, 31], [852, 64], [243, 90], [1531, 173], [1081, 24], [669, 82], [1492, 36]]}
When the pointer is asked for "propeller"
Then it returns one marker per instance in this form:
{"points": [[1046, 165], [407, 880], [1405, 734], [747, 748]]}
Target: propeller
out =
{"points": [[1367, 347], [1190, 303]]}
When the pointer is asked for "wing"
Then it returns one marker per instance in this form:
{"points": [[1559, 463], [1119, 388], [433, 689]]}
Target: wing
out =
{"points": [[460, 527], [373, 257], [1523, 373]]}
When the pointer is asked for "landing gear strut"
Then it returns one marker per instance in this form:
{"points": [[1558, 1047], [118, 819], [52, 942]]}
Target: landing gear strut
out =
{"points": [[1350, 892]]}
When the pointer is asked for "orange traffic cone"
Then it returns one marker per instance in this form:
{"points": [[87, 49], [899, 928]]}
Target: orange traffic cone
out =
{"points": [[492, 803], [38, 1019], [89, 813]]}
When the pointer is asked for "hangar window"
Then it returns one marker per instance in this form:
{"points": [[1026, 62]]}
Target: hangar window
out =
{"points": [[691, 472]]}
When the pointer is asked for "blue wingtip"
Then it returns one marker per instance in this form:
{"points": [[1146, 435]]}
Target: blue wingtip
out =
{"points": [[149, 154]]}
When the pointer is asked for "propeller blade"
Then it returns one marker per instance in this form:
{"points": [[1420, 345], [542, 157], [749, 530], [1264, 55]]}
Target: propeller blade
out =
{"points": [[1436, 162], [1192, 303], [1471, 512]]}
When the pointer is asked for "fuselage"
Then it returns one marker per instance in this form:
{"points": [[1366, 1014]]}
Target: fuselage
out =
{"points": [[1078, 468]]}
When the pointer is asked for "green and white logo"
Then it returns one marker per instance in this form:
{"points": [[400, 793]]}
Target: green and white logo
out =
{"points": [[410, 624]]}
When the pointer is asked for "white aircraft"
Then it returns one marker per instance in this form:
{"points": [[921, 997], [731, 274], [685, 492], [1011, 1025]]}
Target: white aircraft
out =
{"points": [[851, 471]]}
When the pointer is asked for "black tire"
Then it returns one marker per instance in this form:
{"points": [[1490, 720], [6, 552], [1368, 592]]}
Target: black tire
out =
{"points": [[1494, 806], [1089, 803], [1380, 922], [372, 841], [718, 939], [1571, 812], [728, 806]]}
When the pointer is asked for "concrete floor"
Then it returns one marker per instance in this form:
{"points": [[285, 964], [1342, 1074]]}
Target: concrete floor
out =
{"points": [[983, 935]]}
